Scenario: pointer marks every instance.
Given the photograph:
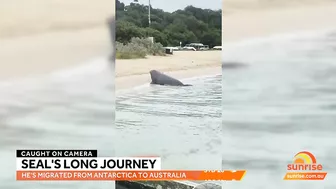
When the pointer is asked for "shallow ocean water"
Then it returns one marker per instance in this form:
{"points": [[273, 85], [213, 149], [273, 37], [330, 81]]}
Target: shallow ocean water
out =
{"points": [[180, 124]]}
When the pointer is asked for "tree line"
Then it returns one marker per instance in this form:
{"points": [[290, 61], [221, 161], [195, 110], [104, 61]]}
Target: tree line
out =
{"points": [[190, 25]]}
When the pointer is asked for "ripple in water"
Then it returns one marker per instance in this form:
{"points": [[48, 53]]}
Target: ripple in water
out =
{"points": [[180, 124], [282, 103]]}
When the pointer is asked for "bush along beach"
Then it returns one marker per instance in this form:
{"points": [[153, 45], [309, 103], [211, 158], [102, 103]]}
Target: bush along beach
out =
{"points": [[190, 25], [138, 48]]}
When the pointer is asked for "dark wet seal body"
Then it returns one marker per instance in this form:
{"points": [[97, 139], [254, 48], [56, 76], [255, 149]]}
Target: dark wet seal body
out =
{"points": [[159, 78], [232, 65]]}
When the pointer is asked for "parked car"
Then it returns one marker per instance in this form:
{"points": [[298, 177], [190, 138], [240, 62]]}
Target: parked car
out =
{"points": [[189, 48], [169, 50], [204, 48], [217, 48]]}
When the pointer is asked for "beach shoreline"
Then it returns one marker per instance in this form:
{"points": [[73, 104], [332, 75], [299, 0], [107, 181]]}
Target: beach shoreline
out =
{"points": [[128, 82], [182, 64]]}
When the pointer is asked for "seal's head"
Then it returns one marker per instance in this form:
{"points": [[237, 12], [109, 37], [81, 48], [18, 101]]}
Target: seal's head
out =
{"points": [[154, 75]]}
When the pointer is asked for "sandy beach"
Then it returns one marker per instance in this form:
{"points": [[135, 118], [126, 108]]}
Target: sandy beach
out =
{"points": [[242, 19], [40, 37], [182, 64]]}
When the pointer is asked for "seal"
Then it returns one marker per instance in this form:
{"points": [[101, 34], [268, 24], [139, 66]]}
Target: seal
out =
{"points": [[159, 78], [233, 65]]}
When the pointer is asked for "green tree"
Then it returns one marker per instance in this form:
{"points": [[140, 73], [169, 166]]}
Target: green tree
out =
{"points": [[212, 37], [158, 36], [126, 30], [189, 25]]}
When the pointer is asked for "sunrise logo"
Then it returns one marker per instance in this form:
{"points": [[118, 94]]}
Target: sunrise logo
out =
{"points": [[304, 161], [304, 167]]}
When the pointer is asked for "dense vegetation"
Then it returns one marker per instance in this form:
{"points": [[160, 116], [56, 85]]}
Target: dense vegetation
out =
{"points": [[138, 48], [190, 25]]}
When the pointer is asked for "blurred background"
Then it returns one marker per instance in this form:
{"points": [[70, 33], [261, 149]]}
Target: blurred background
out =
{"points": [[56, 81], [279, 89]]}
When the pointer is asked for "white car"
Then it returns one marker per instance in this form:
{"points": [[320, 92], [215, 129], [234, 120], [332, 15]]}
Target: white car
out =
{"points": [[217, 48], [204, 48], [189, 48]]}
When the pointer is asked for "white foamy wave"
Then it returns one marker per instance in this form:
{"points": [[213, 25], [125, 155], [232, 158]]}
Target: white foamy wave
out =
{"points": [[136, 88], [191, 79], [145, 86]]}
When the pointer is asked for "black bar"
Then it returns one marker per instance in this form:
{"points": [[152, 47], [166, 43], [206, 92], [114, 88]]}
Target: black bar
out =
{"points": [[56, 153]]}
